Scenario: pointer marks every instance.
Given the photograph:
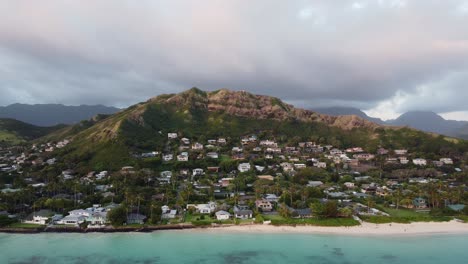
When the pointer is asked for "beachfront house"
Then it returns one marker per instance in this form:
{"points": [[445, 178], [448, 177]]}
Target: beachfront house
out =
{"points": [[264, 205], [135, 219], [222, 215], [242, 212]]}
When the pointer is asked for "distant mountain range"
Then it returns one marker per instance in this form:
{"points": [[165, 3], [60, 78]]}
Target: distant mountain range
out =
{"points": [[53, 114], [422, 120]]}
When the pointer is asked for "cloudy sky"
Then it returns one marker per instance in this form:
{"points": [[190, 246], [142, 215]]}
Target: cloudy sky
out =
{"points": [[383, 56]]}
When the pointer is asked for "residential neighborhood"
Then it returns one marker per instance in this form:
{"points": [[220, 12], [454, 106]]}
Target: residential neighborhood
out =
{"points": [[227, 180]]}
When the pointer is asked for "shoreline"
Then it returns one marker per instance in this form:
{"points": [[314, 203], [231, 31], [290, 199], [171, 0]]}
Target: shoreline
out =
{"points": [[365, 229]]}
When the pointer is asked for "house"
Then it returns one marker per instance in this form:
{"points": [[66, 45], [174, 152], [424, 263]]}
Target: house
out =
{"points": [[185, 141], [236, 149], [40, 217], [259, 168], [197, 172], [364, 156], [447, 161], [404, 160], [300, 166], [272, 198], [168, 157], [242, 212], [221, 141], [208, 208], [264, 205], [314, 184], [167, 213], [197, 146], [420, 162], [300, 213], [183, 157], [72, 220], [349, 185], [212, 155], [287, 167], [322, 165], [419, 203], [268, 143], [171, 135], [97, 219], [243, 167], [401, 151], [335, 152], [382, 151], [265, 177], [222, 215], [166, 174], [80, 212], [225, 182], [135, 219]]}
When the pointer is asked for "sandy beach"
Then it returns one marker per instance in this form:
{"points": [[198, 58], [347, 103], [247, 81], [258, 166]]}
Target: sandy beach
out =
{"points": [[365, 229]]}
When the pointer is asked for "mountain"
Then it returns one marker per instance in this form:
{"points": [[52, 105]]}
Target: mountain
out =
{"points": [[108, 143], [53, 114], [430, 122], [421, 120], [14, 132], [339, 111], [427, 121]]}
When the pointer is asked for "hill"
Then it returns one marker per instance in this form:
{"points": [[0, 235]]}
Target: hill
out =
{"points": [[430, 122], [15, 132], [108, 143], [53, 114], [422, 120], [338, 111]]}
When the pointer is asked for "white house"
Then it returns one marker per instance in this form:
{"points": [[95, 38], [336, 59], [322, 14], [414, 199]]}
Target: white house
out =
{"points": [[208, 208], [166, 174], [447, 161], [243, 167], [80, 212], [183, 157], [171, 135], [197, 172], [72, 220], [222, 215], [420, 162], [300, 166], [401, 151], [168, 157], [212, 155]]}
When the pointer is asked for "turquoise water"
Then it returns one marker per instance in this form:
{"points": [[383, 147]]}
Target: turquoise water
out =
{"points": [[199, 247]]}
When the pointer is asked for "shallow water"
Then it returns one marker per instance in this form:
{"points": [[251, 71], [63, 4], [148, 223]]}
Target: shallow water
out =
{"points": [[199, 247]]}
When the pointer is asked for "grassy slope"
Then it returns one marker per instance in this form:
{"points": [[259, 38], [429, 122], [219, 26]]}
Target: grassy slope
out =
{"points": [[15, 132]]}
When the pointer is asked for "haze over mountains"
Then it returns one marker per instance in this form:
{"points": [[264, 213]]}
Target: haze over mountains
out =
{"points": [[53, 114], [423, 120]]}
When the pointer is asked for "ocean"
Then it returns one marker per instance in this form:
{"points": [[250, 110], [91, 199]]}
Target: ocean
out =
{"points": [[211, 247]]}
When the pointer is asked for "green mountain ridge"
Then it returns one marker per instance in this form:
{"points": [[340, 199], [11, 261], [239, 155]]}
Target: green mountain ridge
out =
{"points": [[108, 143], [15, 132]]}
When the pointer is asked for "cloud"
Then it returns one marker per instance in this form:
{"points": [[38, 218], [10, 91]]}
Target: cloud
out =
{"points": [[385, 56]]}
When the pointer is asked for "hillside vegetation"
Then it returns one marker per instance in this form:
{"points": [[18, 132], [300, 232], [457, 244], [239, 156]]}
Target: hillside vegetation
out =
{"points": [[108, 142]]}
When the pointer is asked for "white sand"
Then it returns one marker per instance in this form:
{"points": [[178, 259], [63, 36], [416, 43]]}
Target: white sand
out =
{"points": [[366, 229]]}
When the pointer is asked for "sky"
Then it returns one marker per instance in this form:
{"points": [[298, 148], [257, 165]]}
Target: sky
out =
{"points": [[383, 56]]}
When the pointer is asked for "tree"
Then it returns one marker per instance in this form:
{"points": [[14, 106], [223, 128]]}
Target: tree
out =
{"points": [[326, 210], [156, 213], [117, 216]]}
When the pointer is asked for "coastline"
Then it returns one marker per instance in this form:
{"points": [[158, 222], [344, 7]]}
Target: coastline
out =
{"points": [[365, 229]]}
